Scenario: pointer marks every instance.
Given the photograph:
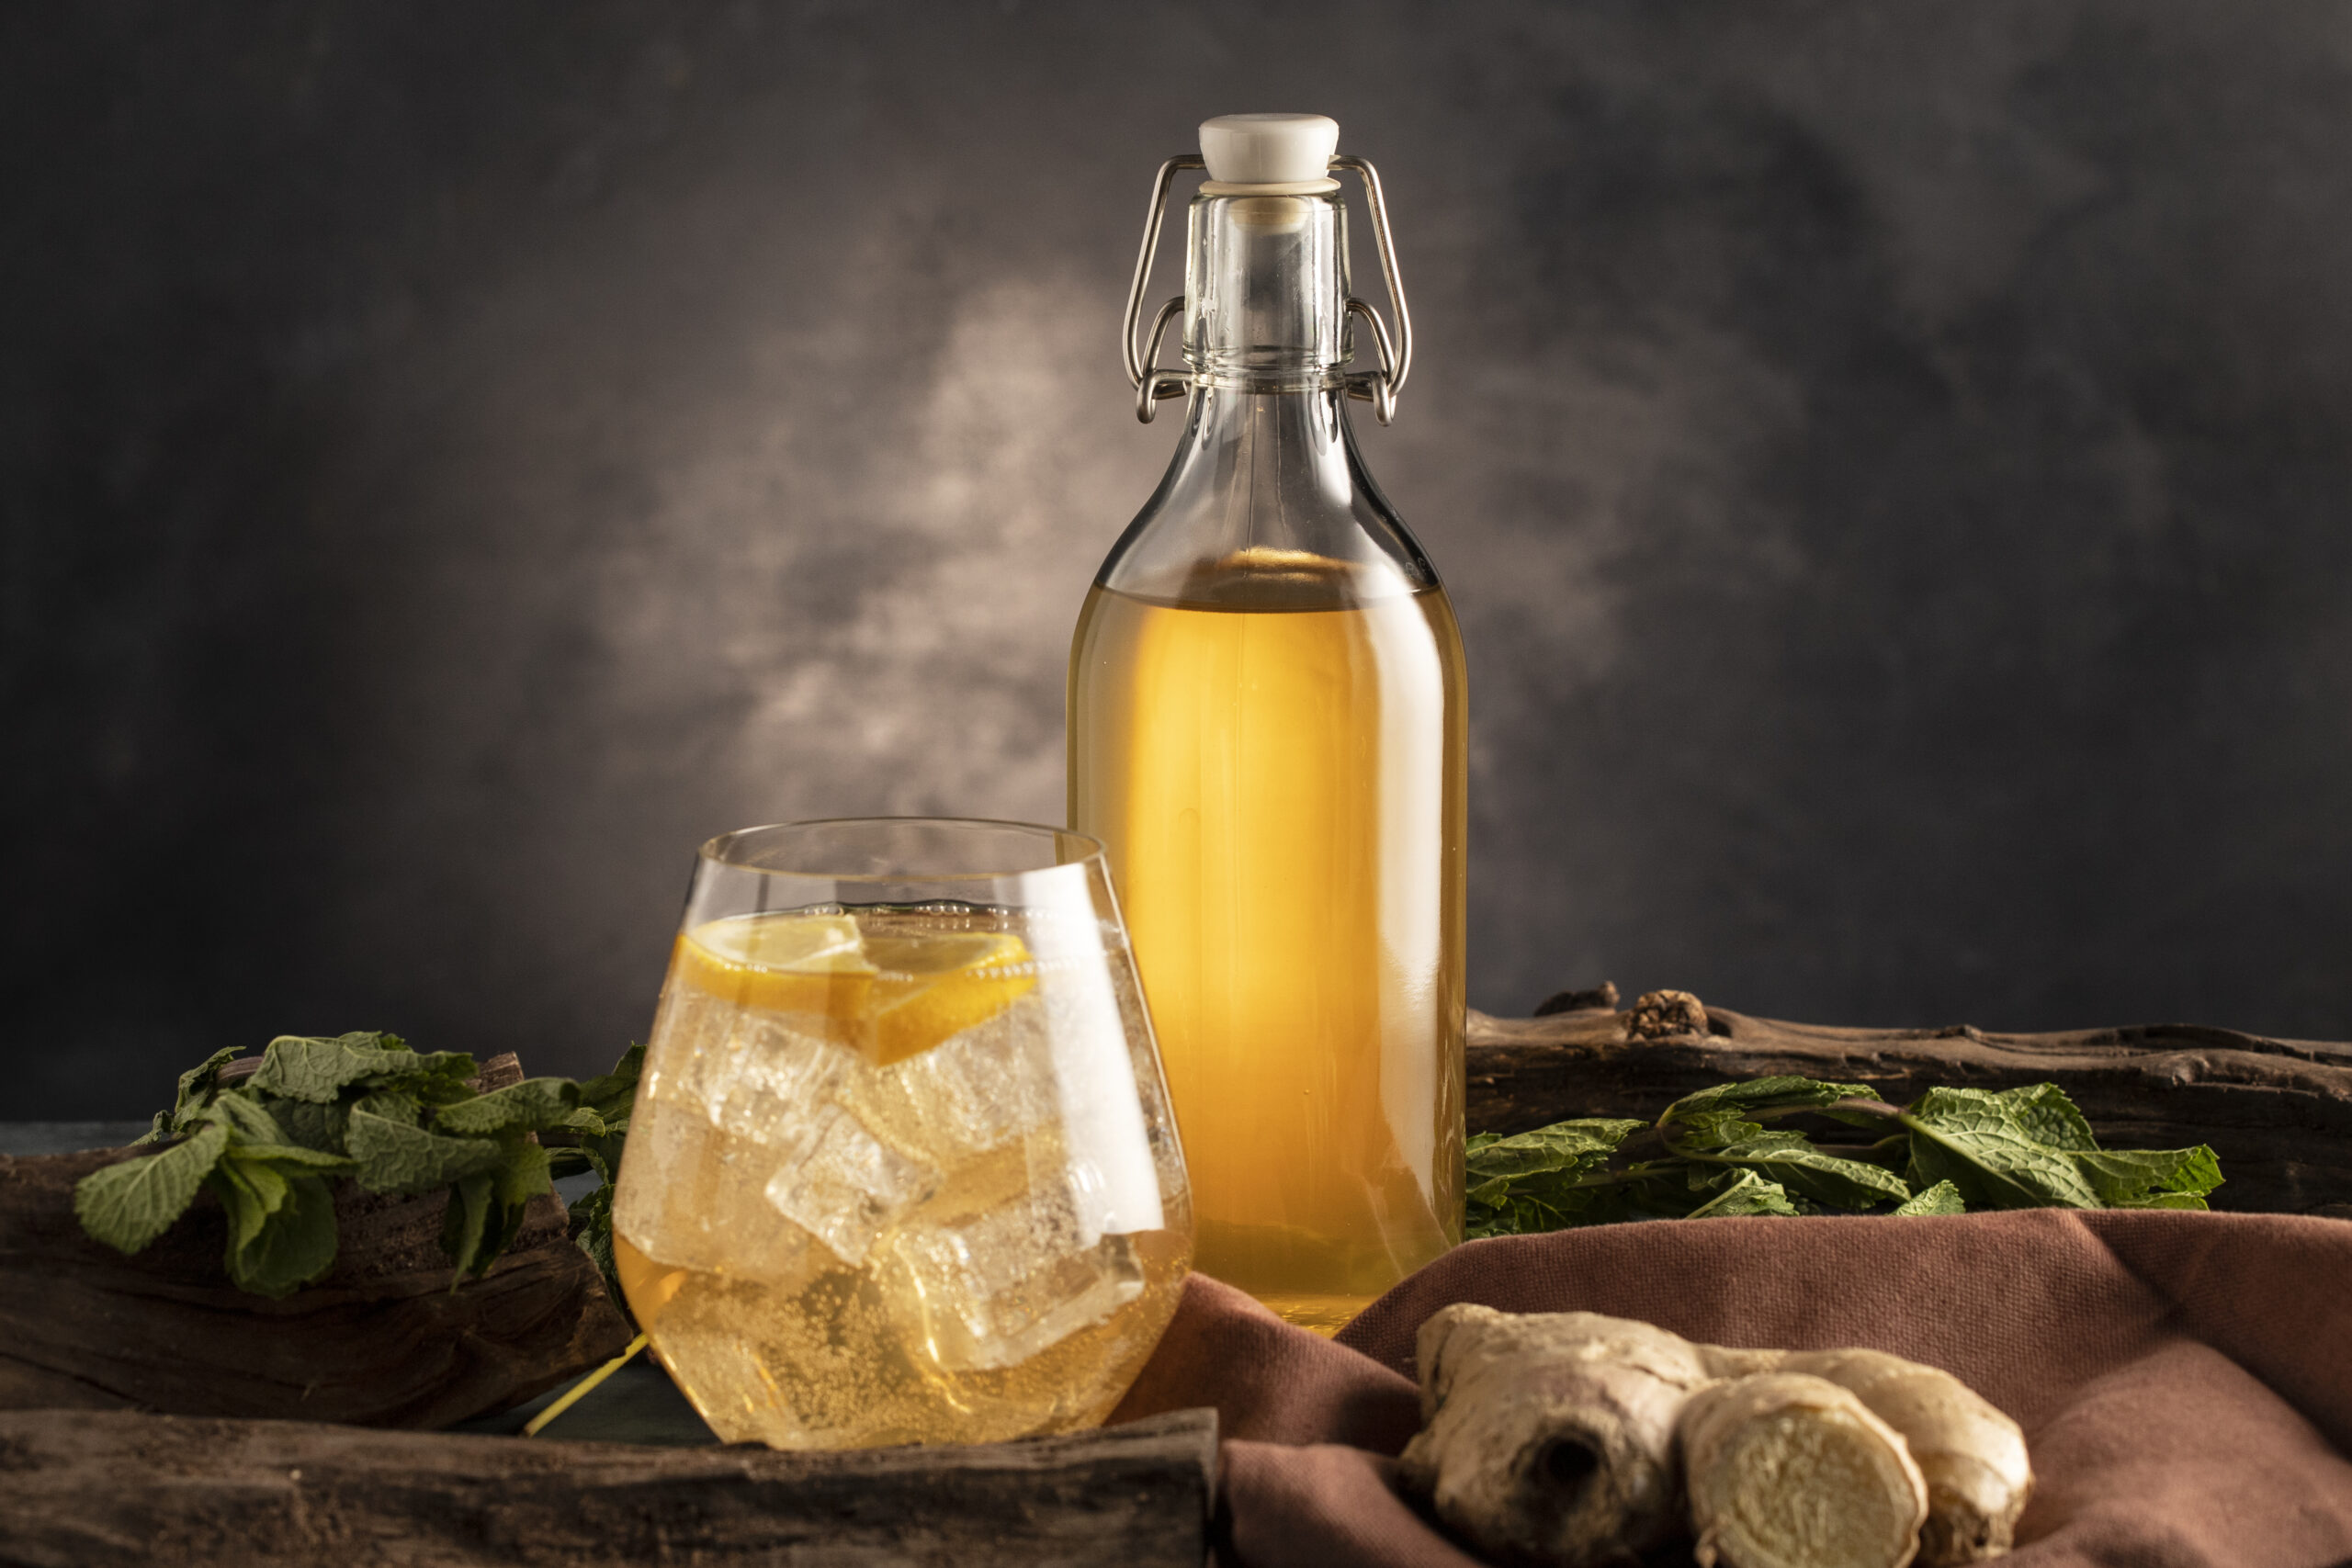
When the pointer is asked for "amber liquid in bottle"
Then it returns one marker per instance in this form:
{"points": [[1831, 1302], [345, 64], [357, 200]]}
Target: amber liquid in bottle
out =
{"points": [[1273, 757]]}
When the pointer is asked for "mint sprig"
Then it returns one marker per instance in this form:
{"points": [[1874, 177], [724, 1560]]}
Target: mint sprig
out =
{"points": [[1713, 1152], [131, 1205], [365, 1107]]}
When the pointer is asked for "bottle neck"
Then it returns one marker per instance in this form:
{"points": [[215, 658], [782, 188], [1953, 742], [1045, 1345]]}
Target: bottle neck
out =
{"points": [[1267, 504], [1285, 451], [1265, 330], [1265, 292]]}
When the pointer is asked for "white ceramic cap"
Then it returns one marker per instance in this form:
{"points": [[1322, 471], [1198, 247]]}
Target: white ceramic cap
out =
{"points": [[1269, 149]]}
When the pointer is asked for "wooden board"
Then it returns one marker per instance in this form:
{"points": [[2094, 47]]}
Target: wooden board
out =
{"points": [[106, 1486]]}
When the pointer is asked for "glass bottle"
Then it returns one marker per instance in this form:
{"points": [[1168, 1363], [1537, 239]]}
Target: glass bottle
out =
{"points": [[1267, 733]]}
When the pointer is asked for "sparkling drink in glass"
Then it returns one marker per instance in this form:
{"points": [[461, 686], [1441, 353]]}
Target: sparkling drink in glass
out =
{"points": [[902, 1166]]}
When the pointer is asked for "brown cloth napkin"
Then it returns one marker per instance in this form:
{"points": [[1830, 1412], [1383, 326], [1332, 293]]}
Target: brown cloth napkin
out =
{"points": [[2184, 1380]]}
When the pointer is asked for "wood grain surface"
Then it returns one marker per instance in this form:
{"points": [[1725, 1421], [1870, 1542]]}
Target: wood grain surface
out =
{"points": [[2278, 1113], [106, 1486]]}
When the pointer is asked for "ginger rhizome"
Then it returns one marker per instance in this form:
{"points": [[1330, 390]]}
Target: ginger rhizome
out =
{"points": [[1793, 1472], [1972, 1456], [1549, 1439], [1564, 1439]]}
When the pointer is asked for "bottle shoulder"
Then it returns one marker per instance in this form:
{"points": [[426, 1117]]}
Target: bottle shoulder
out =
{"points": [[1267, 504]]}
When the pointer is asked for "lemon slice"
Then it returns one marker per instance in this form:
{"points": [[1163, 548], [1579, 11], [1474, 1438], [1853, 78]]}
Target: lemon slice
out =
{"points": [[932, 988], [891, 995], [790, 963]]}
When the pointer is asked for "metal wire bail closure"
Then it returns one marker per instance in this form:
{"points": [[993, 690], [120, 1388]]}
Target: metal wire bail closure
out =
{"points": [[1153, 382]]}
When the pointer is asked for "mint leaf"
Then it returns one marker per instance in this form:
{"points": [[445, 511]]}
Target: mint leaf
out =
{"points": [[244, 1117], [390, 1103], [1778, 1093], [1943, 1198], [521, 1175], [1749, 1194], [299, 1066], [249, 1194], [128, 1204], [197, 1083], [530, 1105], [2032, 1146], [1494, 1165], [198, 1086], [441, 1078], [2152, 1179], [610, 1100], [1985, 1145], [293, 1159], [1790, 1160], [2049, 1117], [243, 1207], [611, 1096], [281, 1217], [320, 1127], [294, 1247], [578, 1159], [591, 1224], [323, 1071], [1517, 1215], [465, 1224], [1646, 1189], [393, 1158], [1709, 1129], [1533, 1181]]}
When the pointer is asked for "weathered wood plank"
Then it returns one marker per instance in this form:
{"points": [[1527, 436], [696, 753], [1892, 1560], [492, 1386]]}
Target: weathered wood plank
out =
{"points": [[2279, 1112], [381, 1341], [110, 1486]]}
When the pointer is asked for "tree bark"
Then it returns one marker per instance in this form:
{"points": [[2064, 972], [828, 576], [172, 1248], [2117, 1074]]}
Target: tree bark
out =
{"points": [[85, 1487], [383, 1341], [2278, 1113]]}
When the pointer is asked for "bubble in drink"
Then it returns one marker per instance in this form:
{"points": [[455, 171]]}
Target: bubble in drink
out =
{"points": [[888, 1179]]}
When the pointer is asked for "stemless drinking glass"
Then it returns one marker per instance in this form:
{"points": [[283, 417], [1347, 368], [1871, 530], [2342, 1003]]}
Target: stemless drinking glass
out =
{"points": [[902, 1166]]}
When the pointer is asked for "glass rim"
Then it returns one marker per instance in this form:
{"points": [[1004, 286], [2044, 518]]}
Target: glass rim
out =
{"points": [[715, 850]]}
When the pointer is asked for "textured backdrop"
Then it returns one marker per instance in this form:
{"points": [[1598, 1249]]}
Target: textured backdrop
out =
{"points": [[1892, 464]]}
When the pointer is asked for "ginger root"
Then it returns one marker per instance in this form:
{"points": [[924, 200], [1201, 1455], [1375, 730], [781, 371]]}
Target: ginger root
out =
{"points": [[1972, 1456], [1793, 1472], [1549, 1437]]}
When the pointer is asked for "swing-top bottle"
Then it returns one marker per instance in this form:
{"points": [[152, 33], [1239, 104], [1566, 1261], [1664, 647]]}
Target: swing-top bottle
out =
{"points": [[1267, 732]]}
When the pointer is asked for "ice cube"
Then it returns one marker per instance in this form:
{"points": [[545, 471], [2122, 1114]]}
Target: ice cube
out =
{"points": [[694, 1196], [849, 1186], [760, 1077], [971, 1093], [991, 1289], [750, 1160]]}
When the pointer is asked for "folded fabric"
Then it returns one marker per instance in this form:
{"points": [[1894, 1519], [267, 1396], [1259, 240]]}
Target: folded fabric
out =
{"points": [[2184, 1380]]}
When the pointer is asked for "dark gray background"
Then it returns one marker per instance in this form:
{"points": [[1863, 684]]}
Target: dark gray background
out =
{"points": [[1890, 463]]}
